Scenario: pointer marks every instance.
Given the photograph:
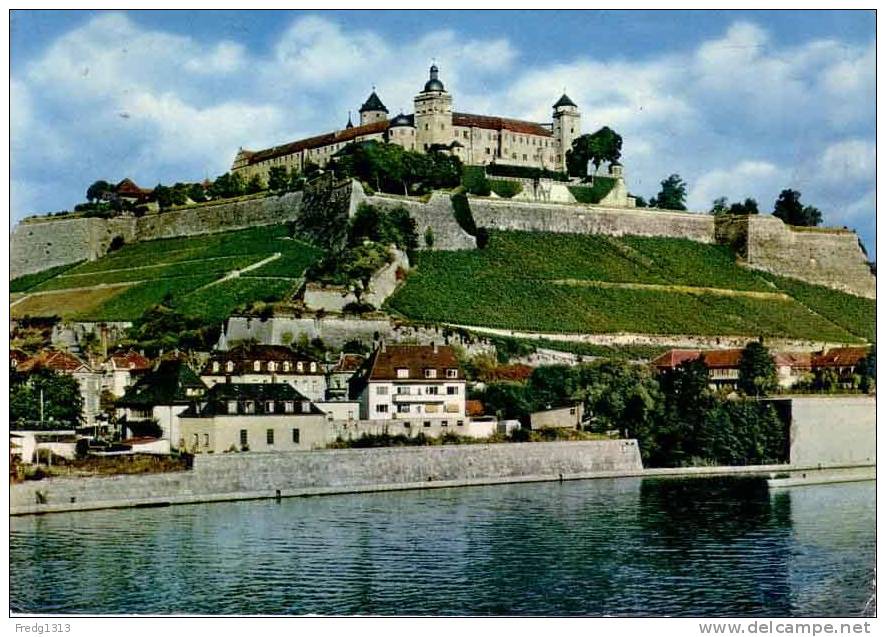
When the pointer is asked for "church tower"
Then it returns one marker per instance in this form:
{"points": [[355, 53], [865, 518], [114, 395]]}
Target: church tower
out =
{"points": [[433, 114], [567, 125], [372, 110]]}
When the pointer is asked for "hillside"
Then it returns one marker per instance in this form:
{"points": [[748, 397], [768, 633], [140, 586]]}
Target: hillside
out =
{"points": [[204, 275], [560, 283]]}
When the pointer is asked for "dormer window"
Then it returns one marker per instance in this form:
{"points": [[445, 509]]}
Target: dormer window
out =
{"points": [[305, 407], [215, 366], [286, 366], [229, 366], [299, 367], [430, 373], [272, 366], [232, 406], [256, 366], [451, 373], [402, 372], [313, 367]]}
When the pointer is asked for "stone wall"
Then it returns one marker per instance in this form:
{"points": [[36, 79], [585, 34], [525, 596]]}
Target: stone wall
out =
{"points": [[579, 219], [291, 473], [829, 257], [833, 430], [437, 214], [37, 245]]}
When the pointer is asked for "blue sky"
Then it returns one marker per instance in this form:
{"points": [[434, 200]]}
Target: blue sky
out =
{"points": [[738, 103]]}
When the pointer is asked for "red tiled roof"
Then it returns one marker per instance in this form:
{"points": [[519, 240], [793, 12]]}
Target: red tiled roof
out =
{"points": [[335, 137], [840, 357], [54, 360], [348, 363], [131, 360], [129, 187], [415, 358], [722, 358], [244, 356], [796, 360], [499, 123], [517, 372], [674, 357], [17, 356], [474, 408]]}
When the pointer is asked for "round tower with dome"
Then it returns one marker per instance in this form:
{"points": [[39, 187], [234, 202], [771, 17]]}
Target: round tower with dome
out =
{"points": [[433, 114]]}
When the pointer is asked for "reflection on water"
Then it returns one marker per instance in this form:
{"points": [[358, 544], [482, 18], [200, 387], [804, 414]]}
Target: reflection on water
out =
{"points": [[598, 547]]}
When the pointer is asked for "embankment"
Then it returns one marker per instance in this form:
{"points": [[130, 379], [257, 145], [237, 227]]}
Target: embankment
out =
{"points": [[262, 475], [830, 430]]}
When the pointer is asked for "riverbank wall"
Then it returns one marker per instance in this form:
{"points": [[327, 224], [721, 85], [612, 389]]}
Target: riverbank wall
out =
{"points": [[828, 430], [239, 476]]}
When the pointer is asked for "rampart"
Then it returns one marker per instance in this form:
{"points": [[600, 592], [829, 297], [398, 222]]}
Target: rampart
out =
{"points": [[578, 219], [437, 214], [826, 256]]}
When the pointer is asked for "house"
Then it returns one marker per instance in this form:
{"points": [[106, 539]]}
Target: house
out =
{"points": [[253, 417], [17, 357], [90, 381], [567, 417], [259, 364], [792, 367], [122, 369], [841, 360], [421, 385], [128, 190], [157, 399], [340, 375], [724, 365]]}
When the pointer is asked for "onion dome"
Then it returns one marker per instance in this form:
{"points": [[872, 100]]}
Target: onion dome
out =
{"points": [[373, 103], [433, 84], [565, 101]]}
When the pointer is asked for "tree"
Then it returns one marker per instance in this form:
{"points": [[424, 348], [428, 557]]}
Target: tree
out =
{"points": [[756, 370], [255, 185], [720, 206], [867, 371], [278, 179], [789, 209], [196, 192], [97, 190], [672, 195], [227, 185], [640, 202], [748, 207], [62, 400], [602, 146]]}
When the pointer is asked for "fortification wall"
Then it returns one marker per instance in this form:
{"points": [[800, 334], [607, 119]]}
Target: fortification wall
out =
{"points": [[437, 214], [577, 219], [256, 475], [835, 430]]}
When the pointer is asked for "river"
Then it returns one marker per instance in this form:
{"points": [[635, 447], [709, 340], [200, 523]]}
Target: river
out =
{"points": [[595, 547]]}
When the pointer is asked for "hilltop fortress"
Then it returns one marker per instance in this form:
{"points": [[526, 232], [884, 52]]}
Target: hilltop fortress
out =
{"points": [[825, 256], [474, 139]]}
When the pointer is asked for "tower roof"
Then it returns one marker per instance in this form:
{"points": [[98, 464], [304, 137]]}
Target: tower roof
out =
{"points": [[565, 101], [373, 103], [433, 83]]}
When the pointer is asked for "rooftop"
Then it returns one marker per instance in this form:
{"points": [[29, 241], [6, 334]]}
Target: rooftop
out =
{"points": [[416, 359], [166, 385]]}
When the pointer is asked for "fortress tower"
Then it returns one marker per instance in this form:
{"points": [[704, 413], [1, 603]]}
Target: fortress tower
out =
{"points": [[433, 114], [567, 125], [372, 110]]}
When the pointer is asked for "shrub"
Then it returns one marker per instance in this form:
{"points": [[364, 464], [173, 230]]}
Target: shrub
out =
{"points": [[506, 189], [595, 192], [525, 172], [474, 180]]}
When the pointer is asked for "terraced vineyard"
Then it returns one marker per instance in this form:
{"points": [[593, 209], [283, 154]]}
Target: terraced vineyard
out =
{"points": [[204, 275], [559, 283]]}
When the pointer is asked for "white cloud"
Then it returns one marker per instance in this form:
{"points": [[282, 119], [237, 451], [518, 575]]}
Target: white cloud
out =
{"points": [[848, 162], [745, 179]]}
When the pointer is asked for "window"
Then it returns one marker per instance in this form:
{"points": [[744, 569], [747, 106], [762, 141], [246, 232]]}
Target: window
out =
{"points": [[572, 411], [427, 423], [295, 436], [215, 366], [289, 407], [403, 390], [272, 366], [229, 366], [270, 436], [196, 440], [286, 366], [244, 440], [444, 423], [452, 390], [299, 367], [305, 406], [451, 373], [402, 372], [459, 423], [313, 367], [381, 409], [381, 390], [269, 407], [256, 366], [205, 440], [430, 373], [403, 409], [249, 407], [232, 406], [487, 152], [432, 390]]}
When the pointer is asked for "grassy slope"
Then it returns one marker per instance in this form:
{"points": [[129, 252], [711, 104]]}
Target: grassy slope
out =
{"points": [[509, 285], [179, 267]]}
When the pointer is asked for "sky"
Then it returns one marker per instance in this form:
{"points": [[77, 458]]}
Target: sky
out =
{"points": [[738, 103]]}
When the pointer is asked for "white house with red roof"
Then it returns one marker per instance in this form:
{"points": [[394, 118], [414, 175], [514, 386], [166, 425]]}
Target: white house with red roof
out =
{"points": [[122, 369], [89, 379]]}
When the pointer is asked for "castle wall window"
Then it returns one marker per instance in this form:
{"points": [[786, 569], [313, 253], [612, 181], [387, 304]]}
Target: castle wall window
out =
{"points": [[295, 436], [244, 438], [270, 436]]}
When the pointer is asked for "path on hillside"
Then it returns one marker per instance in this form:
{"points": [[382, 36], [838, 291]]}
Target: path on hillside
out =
{"points": [[660, 340], [145, 267], [236, 273], [669, 287]]}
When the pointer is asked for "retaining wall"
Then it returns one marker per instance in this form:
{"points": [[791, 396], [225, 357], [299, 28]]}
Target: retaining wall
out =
{"points": [[833, 430], [506, 214], [264, 473], [437, 214]]}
